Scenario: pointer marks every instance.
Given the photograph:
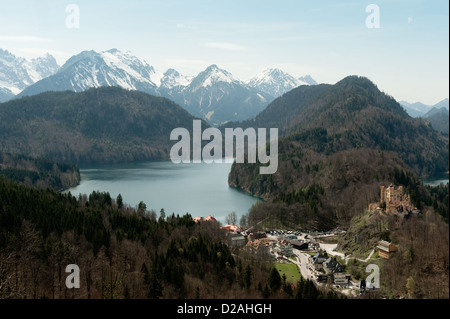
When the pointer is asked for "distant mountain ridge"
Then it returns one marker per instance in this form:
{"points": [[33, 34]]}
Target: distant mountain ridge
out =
{"points": [[437, 114], [214, 94], [18, 73], [439, 119], [420, 109]]}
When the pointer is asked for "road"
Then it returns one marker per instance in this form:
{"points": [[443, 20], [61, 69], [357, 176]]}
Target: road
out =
{"points": [[303, 265], [306, 269], [330, 249]]}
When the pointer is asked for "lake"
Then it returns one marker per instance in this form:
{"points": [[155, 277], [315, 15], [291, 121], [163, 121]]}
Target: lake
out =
{"points": [[199, 189], [436, 180]]}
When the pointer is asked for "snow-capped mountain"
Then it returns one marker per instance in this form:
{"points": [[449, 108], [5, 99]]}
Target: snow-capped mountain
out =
{"points": [[214, 94], [276, 82], [217, 96], [213, 75], [92, 69], [172, 79], [308, 80], [18, 73]]}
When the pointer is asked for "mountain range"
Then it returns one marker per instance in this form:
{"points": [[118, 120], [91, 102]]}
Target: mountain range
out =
{"points": [[214, 94], [437, 114], [419, 109]]}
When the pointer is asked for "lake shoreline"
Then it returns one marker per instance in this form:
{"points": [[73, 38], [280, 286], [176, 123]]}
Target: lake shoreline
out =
{"points": [[198, 189]]}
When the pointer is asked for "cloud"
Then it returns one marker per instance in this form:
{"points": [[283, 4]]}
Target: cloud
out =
{"points": [[184, 26], [24, 38], [225, 46], [410, 19]]}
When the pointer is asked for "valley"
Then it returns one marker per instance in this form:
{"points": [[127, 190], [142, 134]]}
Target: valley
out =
{"points": [[88, 168]]}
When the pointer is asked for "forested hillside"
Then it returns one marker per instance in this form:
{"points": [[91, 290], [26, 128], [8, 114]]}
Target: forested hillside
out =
{"points": [[354, 113], [341, 143], [122, 252], [419, 269], [39, 172], [103, 125], [314, 191]]}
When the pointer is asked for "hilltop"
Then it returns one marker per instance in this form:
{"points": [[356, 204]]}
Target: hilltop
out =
{"points": [[102, 125], [354, 113], [340, 143]]}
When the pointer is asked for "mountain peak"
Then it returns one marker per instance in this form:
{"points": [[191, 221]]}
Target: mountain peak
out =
{"points": [[17, 73], [172, 72], [113, 51], [212, 67], [172, 78], [273, 71], [274, 82], [211, 76], [355, 79], [308, 80], [91, 69]]}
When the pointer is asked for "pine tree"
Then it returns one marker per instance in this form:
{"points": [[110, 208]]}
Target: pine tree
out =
{"points": [[274, 280], [119, 201], [247, 277]]}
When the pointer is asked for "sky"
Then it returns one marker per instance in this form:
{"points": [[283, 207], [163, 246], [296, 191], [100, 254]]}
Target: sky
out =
{"points": [[400, 45]]}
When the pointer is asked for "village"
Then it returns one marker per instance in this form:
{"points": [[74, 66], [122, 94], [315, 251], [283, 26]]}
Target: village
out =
{"points": [[315, 253]]}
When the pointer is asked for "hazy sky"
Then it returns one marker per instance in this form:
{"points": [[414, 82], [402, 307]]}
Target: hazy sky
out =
{"points": [[407, 56]]}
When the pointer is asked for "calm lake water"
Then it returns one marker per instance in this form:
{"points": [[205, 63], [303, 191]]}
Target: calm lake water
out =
{"points": [[436, 180], [199, 189]]}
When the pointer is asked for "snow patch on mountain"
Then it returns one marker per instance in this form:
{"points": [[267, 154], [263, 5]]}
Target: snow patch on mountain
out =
{"points": [[275, 82], [172, 78], [213, 75], [214, 94]]}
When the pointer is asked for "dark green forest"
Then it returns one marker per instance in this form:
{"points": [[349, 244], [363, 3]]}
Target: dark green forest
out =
{"points": [[122, 252], [39, 172], [102, 125], [353, 113], [341, 142], [338, 144]]}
